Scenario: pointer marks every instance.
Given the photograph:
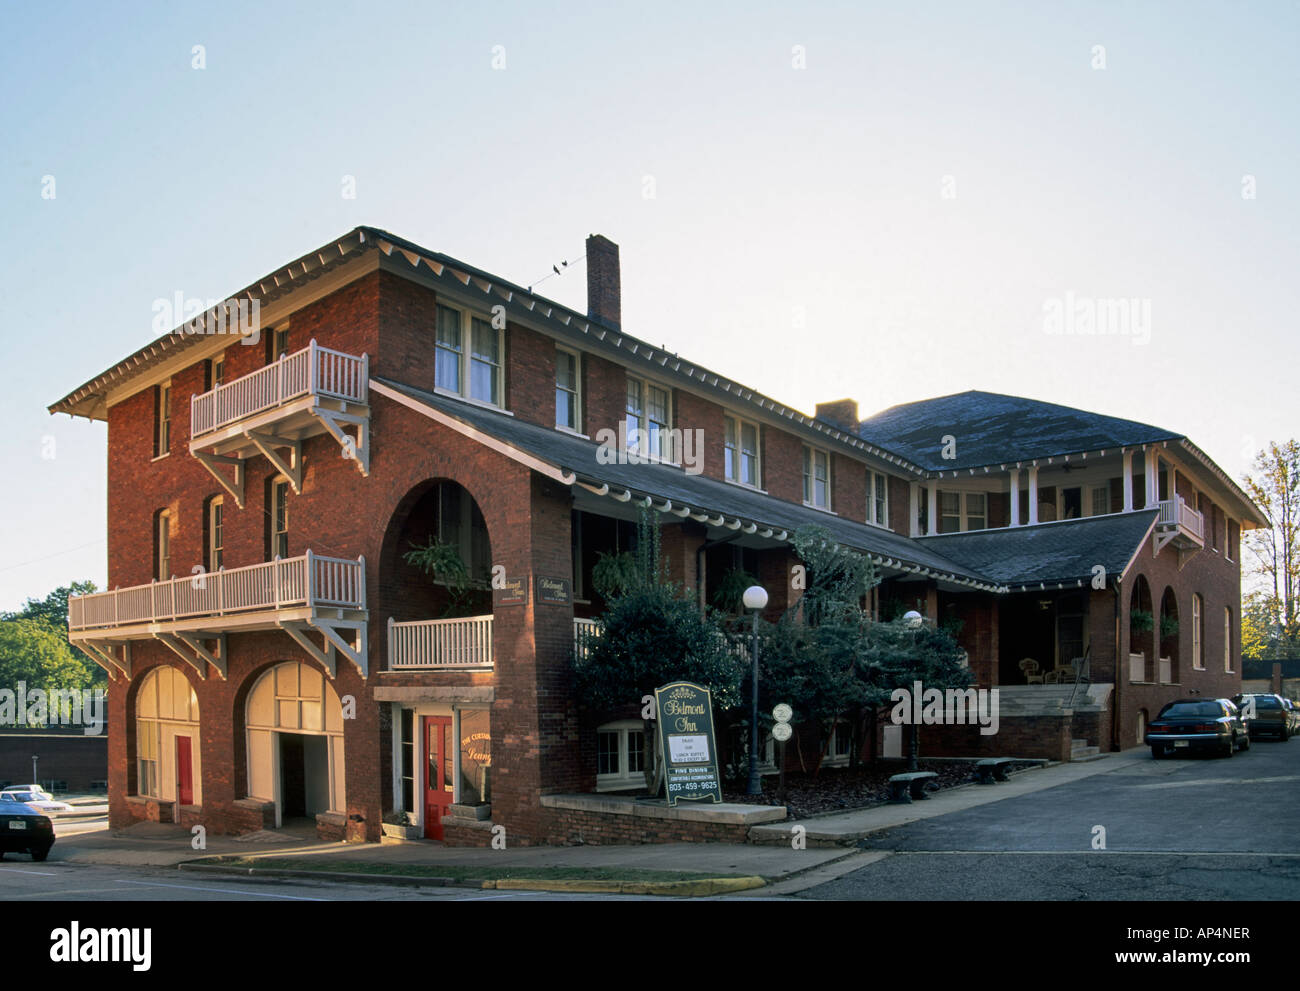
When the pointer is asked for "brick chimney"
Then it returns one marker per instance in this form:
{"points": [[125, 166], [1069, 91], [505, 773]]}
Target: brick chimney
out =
{"points": [[842, 413], [604, 296]]}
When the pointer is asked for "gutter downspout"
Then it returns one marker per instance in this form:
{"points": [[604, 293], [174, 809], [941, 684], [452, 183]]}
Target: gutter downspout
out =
{"points": [[1115, 706]]}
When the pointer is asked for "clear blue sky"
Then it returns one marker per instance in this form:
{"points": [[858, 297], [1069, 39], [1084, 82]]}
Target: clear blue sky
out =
{"points": [[777, 191]]}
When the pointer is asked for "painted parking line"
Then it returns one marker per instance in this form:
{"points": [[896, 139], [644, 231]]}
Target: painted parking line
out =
{"points": [[1091, 853], [15, 870], [227, 891]]}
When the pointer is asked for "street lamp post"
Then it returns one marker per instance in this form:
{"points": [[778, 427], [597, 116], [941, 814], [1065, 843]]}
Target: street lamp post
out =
{"points": [[913, 619], [755, 598]]}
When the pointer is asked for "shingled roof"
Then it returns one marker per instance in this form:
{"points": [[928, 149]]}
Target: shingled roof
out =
{"points": [[1065, 552], [992, 429]]}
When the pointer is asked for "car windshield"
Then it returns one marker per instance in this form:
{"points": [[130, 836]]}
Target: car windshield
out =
{"points": [[1267, 702], [1210, 709]]}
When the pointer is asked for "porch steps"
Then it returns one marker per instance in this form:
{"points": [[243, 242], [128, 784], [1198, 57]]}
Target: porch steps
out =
{"points": [[1081, 752]]}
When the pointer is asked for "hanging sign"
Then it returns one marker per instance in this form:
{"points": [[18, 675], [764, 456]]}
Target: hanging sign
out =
{"points": [[690, 752]]}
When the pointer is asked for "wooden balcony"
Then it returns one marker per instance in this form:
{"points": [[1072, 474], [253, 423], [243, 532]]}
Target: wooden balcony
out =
{"points": [[299, 595], [1180, 525], [460, 644], [273, 410]]}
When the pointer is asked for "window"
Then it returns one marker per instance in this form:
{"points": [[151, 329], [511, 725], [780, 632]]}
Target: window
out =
{"points": [[458, 521], [1100, 500], [568, 403], [648, 416], [279, 518], [816, 478], [147, 734], [215, 373], [1227, 640], [976, 511], [841, 744], [216, 532], [277, 343], [406, 730], [949, 512], [473, 372], [162, 440], [620, 757], [740, 449], [1198, 662], [163, 545], [1230, 545], [877, 498]]}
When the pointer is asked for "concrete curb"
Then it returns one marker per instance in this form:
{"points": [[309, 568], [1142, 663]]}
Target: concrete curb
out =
{"points": [[685, 889]]}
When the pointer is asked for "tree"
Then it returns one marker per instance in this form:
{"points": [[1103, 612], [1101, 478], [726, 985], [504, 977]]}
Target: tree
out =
{"points": [[54, 607], [1274, 486], [33, 651], [52, 613], [651, 635]]}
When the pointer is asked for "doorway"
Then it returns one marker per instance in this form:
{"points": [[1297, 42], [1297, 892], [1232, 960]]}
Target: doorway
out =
{"points": [[304, 775], [184, 771], [439, 780]]}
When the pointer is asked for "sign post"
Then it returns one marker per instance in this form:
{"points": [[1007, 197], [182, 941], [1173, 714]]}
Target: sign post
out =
{"points": [[689, 749], [781, 732]]}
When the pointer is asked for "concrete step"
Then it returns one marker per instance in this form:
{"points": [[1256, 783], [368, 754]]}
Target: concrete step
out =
{"points": [[1076, 759]]}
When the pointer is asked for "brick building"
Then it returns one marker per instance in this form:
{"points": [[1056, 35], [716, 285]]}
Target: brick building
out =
{"points": [[274, 656]]}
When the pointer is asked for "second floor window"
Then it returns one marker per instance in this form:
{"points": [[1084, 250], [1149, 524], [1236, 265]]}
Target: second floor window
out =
{"points": [[568, 408], [277, 343], [468, 356], [216, 532], [163, 543], [163, 419], [741, 452], [649, 419], [280, 518], [816, 478], [877, 498], [949, 512], [216, 372]]}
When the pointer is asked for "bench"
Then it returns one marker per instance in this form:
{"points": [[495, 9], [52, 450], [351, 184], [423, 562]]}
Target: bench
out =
{"points": [[905, 787], [993, 769]]}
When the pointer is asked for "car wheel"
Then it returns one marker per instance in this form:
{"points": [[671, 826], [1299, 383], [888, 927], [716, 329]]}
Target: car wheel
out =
{"points": [[1245, 742], [39, 853], [1231, 748]]}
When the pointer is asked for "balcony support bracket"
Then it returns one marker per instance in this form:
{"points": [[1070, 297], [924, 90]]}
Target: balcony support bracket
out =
{"points": [[356, 449], [235, 488], [269, 445], [102, 654], [177, 648], [195, 643], [355, 650], [324, 657]]}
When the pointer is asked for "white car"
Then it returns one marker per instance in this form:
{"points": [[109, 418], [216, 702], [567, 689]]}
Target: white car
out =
{"points": [[36, 797]]}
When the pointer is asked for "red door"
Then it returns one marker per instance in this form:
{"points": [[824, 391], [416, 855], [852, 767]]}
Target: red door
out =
{"points": [[438, 782], [184, 771]]}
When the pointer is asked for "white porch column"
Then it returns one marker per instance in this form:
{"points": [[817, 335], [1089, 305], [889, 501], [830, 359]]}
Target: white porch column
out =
{"points": [[932, 507], [1152, 478], [1015, 497], [1127, 458], [914, 508], [1033, 495]]}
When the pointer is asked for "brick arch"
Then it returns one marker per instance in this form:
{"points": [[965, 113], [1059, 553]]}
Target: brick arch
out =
{"points": [[133, 687], [1143, 641], [238, 715], [403, 584], [1169, 644]]}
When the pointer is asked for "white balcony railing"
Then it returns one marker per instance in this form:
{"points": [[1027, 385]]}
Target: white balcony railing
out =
{"points": [[440, 643], [1176, 513], [1166, 671], [1137, 668], [313, 371], [310, 580]]}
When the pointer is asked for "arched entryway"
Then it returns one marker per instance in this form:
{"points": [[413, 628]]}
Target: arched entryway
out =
{"points": [[166, 764], [1141, 635], [294, 725], [1167, 631]]}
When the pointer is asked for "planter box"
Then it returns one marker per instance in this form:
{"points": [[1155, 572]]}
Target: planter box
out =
{"points": [[401, 832]]}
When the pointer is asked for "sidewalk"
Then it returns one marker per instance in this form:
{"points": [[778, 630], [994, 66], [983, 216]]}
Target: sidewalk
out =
{"points": [[769, 866]]}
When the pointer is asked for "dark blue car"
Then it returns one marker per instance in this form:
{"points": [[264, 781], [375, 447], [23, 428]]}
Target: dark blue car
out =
{"points": [[24, 829]]}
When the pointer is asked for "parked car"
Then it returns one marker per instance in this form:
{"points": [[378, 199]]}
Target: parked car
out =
{"points": [[1190, 725], [24, 829], [1272, 716], [37, 798]]}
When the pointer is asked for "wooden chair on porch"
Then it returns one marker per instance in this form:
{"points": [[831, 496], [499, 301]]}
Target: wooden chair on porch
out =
{"points": [[1029, 668]]}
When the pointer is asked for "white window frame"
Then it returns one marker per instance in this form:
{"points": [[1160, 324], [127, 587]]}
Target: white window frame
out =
{"points": [[1227, 640], [1104, 489], [733, 472], [625, 778], [575, 392], [163, 421], [967, 515], [1198, 658], [666, 453], [944, 515], [279, 484], [810, 454], [872, 514], [216, 550], [838, 732], [164, 549], [466, 359]]}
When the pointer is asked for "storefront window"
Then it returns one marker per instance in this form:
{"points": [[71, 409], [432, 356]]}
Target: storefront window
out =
{"points": [[475, 757]]}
